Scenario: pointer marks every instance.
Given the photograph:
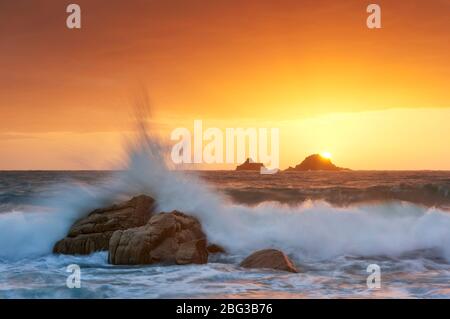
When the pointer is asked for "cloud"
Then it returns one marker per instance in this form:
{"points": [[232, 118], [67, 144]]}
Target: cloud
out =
{"points": [[16, 136]]}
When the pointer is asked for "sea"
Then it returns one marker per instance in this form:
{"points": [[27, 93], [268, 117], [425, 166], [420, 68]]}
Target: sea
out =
{"points": [[352, 234]]}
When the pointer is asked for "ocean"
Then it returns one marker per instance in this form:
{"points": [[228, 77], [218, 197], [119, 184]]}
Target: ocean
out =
{"points": [[332, 224]]}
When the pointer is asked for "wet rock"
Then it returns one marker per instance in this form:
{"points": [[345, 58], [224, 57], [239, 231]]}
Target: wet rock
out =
{"points": [[169, 238], [269, 258], [93, 232], [215, 249]]}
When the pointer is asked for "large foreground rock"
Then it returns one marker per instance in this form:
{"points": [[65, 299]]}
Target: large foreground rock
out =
{"points": [[170, 238], [269, 258], [93, 232]]}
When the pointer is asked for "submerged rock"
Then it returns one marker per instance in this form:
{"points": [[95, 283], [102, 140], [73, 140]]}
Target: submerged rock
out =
{"points": [[171, 238], [93, 232], [269, 258]]}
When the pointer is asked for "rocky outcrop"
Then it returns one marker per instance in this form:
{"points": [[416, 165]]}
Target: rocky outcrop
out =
{"points": [[170, 238], [269, 258], [93, 232], [316, 162], [249, 165]]}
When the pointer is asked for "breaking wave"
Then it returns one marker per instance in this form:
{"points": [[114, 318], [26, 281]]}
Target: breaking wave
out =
{"points": [[312, 229]]}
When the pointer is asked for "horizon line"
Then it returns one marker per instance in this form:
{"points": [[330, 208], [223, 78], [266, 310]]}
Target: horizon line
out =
{"points": [[225, 170]]}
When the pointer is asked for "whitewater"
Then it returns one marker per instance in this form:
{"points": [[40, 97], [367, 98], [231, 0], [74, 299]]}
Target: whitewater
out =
{"points": [[332, 241]]}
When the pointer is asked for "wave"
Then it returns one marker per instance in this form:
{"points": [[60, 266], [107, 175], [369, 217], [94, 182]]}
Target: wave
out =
{"points": [[312, 229], [428, 195], [32, 230]]}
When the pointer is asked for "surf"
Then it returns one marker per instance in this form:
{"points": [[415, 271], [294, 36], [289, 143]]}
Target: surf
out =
{"points": [[312, 230]]}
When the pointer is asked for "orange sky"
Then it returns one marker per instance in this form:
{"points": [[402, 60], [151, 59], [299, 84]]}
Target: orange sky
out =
{"points": [[375, 99]]}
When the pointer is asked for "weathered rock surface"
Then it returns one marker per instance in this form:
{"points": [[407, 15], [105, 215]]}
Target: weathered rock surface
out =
{"points": [[93, 232], [170, 238], [269, 258], [215, 249]]}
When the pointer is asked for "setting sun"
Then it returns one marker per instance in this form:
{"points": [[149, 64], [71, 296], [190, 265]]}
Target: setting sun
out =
{"points": [[231, 141], [326, 155]]}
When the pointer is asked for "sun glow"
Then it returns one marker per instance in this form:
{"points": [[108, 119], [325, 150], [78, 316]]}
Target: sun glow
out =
{"points": [[326, 155]]}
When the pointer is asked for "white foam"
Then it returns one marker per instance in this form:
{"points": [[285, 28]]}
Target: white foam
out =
{"points": [[313, 229]]}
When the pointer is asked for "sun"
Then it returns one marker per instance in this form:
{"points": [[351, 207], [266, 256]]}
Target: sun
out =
{"points": [[326, 155]]}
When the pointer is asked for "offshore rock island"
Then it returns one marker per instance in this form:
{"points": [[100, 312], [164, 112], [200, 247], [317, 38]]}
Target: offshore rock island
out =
{"points": [[250, 165], [316, 162]]}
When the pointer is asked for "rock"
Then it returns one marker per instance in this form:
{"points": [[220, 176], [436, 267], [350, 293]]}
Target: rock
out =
{"points": [[249, 165], [93, 232], [316, 162], [269, 258], [215, 249], [170, 238]]}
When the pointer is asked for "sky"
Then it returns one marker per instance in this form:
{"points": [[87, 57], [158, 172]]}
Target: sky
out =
{"points": [[373, 98]]}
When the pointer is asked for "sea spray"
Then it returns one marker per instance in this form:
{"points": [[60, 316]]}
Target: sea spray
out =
{"points": [[32, 232], [312, 230]]}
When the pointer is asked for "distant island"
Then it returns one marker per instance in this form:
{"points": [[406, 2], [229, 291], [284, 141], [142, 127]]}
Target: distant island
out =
{"points": [[316, 162], [249, 165]]}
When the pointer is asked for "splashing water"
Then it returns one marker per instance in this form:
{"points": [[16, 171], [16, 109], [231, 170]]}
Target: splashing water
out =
{"points": [[314, 230], [334, 245]]}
